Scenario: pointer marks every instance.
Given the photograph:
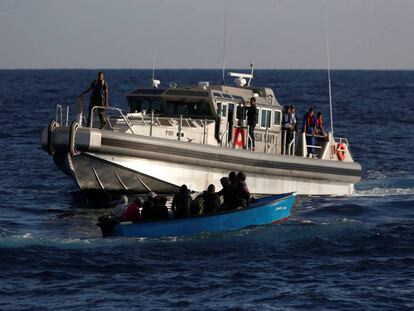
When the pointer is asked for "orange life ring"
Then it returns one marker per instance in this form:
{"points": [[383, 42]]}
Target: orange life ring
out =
{"points": [[341, 151]]}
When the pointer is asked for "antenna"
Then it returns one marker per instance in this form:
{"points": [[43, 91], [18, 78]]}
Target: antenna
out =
{"points": [[153, 62], [224, 43], [329, 72], [154, 83], [251, 72]]}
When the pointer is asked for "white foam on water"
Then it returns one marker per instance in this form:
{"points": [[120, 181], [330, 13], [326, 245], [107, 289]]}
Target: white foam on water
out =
{"points": [[382, 192]]}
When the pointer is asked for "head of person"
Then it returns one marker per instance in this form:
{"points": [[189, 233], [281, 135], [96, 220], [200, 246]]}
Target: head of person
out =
{"points": [[241, 176], [183, 189], [292, 108], [286, 109], [139, 201], [211, 188], [124, 200], [151, 195], [232, 177], [311, 112], [252, 101], [224, 181], [100, 75], [319, 115]]}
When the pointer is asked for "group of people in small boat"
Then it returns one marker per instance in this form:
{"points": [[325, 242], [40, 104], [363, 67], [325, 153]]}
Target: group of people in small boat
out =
{"points": [[233, 195], [312, 125]]}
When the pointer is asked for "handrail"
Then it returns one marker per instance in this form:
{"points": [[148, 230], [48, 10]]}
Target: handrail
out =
{"points": [[59, 109], [222, 136], [341, 139], [115, 109], [292, 142]]}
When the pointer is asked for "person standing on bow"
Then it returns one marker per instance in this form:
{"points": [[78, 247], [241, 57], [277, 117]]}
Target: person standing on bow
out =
{"points": [[252, 120], [99, 97]]}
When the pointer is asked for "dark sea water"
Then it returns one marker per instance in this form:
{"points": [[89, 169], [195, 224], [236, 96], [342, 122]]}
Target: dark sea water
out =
{"points": [[346, 253]]}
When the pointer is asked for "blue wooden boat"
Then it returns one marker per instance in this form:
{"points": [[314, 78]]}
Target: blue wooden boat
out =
{"points": [[266, 210]]}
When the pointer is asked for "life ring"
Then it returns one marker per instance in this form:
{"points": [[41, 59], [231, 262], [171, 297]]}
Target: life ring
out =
{"points": [[51, 127], [72, 135], [341, 151]]}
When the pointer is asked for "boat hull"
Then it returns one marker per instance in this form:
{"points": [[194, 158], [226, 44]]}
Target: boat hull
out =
{"points": [[266, 210]]}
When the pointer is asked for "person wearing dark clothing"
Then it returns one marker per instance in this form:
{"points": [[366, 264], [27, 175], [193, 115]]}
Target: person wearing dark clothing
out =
{"points": [[181, 203], [211, 200], [148, 211], [233, 178], [229, 194], [99, 97], [286, 129], [160, 209], [252, 120], [242, 191], [309, 123]]}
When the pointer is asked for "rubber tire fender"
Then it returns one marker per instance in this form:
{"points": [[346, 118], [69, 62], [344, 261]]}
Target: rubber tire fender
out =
{"points": [[72, 136], [50, 128]]}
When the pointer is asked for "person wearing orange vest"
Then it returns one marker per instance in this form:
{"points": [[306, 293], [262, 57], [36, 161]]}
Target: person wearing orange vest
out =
{"points": [[319, 125], [308, 127]]}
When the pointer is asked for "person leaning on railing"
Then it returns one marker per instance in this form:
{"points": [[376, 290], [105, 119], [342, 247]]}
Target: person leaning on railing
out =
{"points": [[308, 127], [99, 97]]}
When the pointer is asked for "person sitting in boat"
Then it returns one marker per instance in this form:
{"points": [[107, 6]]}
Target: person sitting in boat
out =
{"points": [[211, 200], [160, 208], [99, 97], [242, 191], [252, 120], [121, 207], [181, 203], [229, 194], [233, 179], [148, 212], [133, 213], [319, 126], [309, 123]]}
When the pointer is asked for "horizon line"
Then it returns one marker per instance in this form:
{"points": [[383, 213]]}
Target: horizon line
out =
{"points": [[229, 69]]}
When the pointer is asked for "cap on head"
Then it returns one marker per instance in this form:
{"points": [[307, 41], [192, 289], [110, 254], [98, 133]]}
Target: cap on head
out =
{"points": [[124, 199]]}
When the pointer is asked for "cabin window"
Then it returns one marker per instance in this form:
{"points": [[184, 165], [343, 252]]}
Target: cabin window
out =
{"points": [[226, 96], [189, 109], [277, 118], [224, 111], [265, 118], [137, 104], [241, 112]]}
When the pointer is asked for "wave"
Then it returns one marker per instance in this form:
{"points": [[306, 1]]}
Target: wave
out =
{"points": [[383, 192]]}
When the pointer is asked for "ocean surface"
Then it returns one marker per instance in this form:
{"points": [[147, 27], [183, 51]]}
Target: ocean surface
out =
{"points": [[345, 253]]}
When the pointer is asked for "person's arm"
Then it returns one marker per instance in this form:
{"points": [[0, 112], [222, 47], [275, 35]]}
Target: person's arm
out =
{"points": [[174, 203], [87, 90]]}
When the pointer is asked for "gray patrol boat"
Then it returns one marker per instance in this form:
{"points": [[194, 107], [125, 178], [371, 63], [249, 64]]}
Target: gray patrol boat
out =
{"points": [[195, 135]]}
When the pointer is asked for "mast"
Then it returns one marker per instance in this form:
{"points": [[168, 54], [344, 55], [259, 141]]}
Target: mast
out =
{"points": [[224, 43], [329, 73]]}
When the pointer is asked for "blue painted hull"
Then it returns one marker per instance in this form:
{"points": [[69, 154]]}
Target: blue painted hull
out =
{"points": [[266, 210]]}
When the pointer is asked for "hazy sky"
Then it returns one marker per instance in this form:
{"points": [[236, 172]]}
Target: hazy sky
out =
{"points": [[366, 34]]}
